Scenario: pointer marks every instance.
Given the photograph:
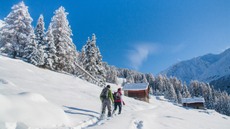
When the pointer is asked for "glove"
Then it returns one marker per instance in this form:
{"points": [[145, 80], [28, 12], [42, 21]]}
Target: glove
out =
{"points": [[123, 103]]}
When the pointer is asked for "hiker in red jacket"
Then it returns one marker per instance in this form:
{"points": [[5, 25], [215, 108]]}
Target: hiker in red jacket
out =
{"points": [[117, 96]]}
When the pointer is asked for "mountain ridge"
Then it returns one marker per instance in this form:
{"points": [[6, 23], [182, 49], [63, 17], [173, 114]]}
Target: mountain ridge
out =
{"points": [[206, 68]]}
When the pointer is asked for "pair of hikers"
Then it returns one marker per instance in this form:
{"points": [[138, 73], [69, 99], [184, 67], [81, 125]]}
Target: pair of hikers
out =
{"points": [[108, 98]]}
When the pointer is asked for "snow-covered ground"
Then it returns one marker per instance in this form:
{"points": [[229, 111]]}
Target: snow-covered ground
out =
{"points": [[39, 98]]}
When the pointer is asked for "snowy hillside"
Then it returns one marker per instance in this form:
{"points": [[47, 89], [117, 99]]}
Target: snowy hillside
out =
{"points": [[39, 98], [203, 68]]}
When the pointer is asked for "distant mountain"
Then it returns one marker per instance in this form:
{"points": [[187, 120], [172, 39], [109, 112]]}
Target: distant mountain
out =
{"points": [[222, 83], [207, 68]]}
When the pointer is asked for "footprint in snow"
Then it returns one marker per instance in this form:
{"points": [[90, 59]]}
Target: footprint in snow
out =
{"points": [[139, 124], [3, 81]]}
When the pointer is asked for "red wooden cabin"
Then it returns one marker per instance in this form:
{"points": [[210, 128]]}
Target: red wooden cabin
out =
{"points": [[197, 103], [138, 91]]}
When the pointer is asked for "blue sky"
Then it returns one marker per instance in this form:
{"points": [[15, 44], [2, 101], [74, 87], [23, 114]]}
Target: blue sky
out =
{"points": [[143, 35]]}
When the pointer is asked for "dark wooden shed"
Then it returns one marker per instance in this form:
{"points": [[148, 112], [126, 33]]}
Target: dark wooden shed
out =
{"points": [[139, 91], [197, 103]]}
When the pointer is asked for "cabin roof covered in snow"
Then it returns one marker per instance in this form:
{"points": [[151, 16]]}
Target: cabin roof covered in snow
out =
{"points": [[192, 100], [136, 86]]}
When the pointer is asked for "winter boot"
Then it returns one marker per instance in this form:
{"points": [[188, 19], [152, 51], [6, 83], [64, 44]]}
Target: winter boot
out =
{"points": [[109, 114], [113, 111]]}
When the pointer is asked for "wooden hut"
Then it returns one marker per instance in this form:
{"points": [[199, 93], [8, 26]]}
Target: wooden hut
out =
{"points": [[139, 91], [197, 103]]}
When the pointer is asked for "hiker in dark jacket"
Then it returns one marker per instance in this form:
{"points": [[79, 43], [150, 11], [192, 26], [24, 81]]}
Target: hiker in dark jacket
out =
{"points": [[118, 101], [106, 97]]}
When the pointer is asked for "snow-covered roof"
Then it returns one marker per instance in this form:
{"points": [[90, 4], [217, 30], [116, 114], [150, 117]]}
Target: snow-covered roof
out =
{"points": [[136, 86], [192, 100]]}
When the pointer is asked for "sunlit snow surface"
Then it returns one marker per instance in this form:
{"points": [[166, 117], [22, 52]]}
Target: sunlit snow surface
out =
{"points": [[34, 98]]}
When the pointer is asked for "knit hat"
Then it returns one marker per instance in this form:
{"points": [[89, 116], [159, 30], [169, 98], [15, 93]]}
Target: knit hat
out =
{"points": [[108, 86], [119, 89]]}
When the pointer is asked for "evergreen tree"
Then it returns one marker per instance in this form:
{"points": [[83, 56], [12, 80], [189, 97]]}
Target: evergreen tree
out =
{"points": [[150, 78], [65, 49], [179, 97], [31, 53], [201, 88], [224, 103], [180, 86], [93, 61], [130, 79], [50, 50], [185, 92], [101, 71], [41, 40], [113, 77], [170, 92], [111, 74], [89, 60], [17, 32], [144, 80], [159, 83], [82, 56], [208, 98], [194, 89], [214, 98]]}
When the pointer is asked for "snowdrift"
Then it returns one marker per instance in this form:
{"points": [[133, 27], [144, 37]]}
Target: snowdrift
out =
{"points": [[31, 109]]}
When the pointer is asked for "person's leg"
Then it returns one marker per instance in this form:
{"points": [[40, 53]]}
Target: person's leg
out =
{"points": [[103, 107], [115, 107], [109, 106], [119, 105]]}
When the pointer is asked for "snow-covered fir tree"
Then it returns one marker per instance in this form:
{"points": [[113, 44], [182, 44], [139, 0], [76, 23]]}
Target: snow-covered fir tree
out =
{"points": [[159, 83], [31, 53], [111, 73], [143, 80], [65, 49], [179, 97], [185, 92], [149, 77], [195, 89], [130, 79], [223, 104], [41, 39], [17, 32], [112, 77], [50, 50], [208, 97], [81, 56], [214, 97], [80, 60], [170, 92], [89, 60], [93, 61], [101, 71]]}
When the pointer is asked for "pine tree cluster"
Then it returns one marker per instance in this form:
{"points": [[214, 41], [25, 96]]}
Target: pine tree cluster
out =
{"points": [[173, 89], [53, 49]]}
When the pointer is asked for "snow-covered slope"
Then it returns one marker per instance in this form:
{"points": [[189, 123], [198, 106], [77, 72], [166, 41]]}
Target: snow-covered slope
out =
{"points": [[218, 69], [39, 98], [203, 68]]}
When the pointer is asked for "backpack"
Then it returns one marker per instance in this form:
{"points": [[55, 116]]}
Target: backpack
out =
{"points": [[104, 93], [116, 96]]}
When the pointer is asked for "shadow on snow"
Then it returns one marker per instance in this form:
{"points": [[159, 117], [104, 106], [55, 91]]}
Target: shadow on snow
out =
{"points": [[80, 111]]}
